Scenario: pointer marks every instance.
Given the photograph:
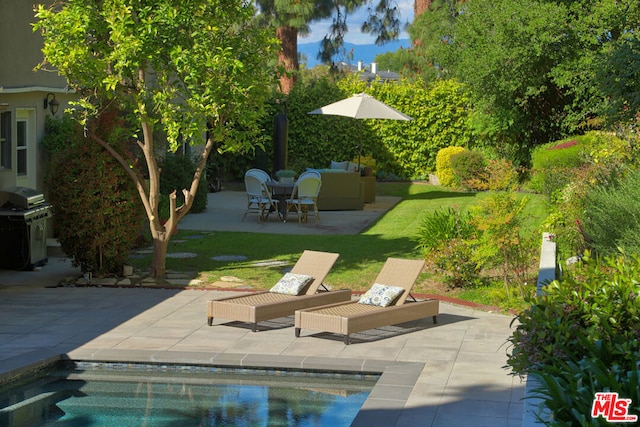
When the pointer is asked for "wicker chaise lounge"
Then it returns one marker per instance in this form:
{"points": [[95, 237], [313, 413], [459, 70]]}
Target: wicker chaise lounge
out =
{"points": [[256, 307], [355, 316]]}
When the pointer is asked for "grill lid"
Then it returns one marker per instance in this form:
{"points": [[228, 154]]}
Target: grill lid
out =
{"points": [[20, 198]]}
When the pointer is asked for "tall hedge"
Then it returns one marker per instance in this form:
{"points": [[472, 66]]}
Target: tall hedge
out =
{"points": [[441, 115], [440, 112]]}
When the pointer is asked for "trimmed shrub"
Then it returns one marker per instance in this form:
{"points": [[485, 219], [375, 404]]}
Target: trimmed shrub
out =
{"points": [[97, 210], [553, 164], [444, 170], [469, 169]]}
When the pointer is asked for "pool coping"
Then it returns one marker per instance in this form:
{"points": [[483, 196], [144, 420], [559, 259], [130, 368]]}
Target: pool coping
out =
{"points": [[383, 406]]}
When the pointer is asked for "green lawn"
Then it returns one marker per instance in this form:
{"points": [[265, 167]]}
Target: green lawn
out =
{"points": [[361, 256]]}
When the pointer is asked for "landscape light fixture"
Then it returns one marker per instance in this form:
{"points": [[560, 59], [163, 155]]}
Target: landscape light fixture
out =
{"points": [[52, 103]]}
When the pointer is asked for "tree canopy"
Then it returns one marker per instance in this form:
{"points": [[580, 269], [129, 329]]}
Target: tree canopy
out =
{"points": [[185, 70], [537, 70]]}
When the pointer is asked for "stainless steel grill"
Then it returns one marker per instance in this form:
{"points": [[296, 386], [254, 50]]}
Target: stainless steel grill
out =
{"points": [[23, 228]]}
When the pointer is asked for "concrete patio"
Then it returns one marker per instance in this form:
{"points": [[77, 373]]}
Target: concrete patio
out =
{"points": [[449, 374]]}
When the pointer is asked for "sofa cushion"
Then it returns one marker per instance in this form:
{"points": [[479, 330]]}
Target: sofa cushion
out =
{"points": [[339, 165]]}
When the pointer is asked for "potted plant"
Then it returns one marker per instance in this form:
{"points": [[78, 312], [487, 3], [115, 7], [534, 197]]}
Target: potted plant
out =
{"points": [[286, 175]]}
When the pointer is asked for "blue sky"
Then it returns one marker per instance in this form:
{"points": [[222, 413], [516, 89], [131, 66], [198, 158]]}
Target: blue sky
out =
{"points": [[354, 21]]}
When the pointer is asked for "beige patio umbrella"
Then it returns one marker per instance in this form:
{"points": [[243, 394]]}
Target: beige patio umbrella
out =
{"points": [[361, 106]]}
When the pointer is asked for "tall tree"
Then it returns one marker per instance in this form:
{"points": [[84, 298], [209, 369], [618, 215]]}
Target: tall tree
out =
{"points": [[420, 6], [189, 69], [538, 69], [292, 18]]}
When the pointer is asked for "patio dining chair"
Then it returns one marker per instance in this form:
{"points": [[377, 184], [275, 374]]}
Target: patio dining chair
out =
{"points": [[304, 197], [259, 198], [259, 173]]}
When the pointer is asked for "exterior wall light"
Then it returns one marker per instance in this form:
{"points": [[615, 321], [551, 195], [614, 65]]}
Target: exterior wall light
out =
{"points": [[52, 103]]}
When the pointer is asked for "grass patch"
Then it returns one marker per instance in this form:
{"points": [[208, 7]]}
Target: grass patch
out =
{"points": [[361, 256]]}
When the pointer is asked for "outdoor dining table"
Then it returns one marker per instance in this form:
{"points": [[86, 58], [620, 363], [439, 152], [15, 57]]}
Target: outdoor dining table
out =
{"points": [[281, 191]]}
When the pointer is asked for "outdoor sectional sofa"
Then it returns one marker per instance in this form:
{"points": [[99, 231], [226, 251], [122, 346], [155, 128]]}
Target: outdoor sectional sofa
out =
{"points": [[341, 190]]}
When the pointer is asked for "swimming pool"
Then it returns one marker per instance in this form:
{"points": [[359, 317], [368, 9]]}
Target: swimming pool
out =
{"points": [[126, 394]]}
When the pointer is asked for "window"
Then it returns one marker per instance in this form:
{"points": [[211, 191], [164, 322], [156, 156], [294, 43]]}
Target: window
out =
{"points": [[5, 140], [21, 146]]}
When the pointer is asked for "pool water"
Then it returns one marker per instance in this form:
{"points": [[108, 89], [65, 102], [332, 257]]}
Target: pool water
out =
{"points": [[99, 394]]}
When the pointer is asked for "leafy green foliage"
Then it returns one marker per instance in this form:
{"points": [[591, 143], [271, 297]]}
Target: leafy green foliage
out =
{"points": [[553, 164], [441, 115], [177, 173], [594, 305], [582, 337], [462, 245], [454, 260], [612, 218], [58, 133], [619, 76], [404, 148], [443, 225], [537, 70], [444, 170], [428, 32], [204, 68], [568, 389], [599, 162], [504, 50], [97, 213], [444, 238], [498, 175], [500, 242], [468, 166]]}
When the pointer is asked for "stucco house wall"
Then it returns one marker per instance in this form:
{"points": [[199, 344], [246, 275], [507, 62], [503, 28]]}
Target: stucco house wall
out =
{"points": [[22, 95]]}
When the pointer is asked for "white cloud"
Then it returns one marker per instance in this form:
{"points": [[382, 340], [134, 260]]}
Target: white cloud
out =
{"points": [[354, 22]]}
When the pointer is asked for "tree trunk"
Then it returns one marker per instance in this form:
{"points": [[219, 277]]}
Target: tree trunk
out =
{"points": [[150, 194], [288, 57], [420, 6], [159, 260]]}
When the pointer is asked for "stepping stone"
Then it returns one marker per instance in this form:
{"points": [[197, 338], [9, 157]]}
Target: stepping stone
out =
{"points": [[231, 279], [182, 255], [229, 258], [269, 263]]}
